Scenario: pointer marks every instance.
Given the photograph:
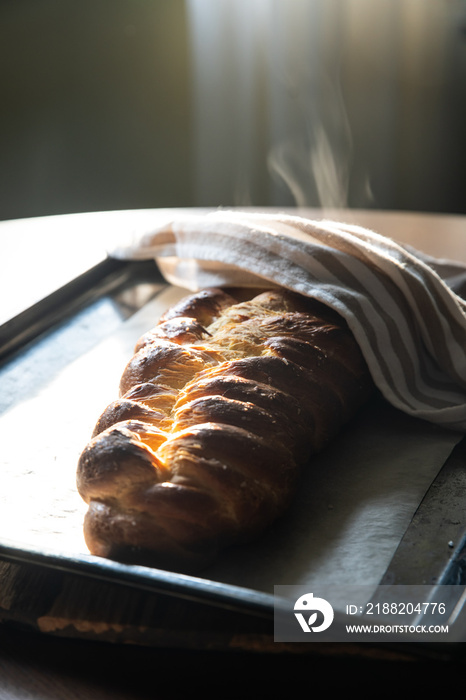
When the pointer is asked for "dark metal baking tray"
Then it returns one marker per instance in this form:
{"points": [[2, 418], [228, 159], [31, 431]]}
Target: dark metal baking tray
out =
{"points": [[125, 287]]}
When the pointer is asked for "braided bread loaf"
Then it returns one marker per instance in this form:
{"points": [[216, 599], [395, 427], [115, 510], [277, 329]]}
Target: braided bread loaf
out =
{"points": [[221, 406]]}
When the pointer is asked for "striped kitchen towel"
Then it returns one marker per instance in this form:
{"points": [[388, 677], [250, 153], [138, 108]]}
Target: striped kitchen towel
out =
{"points": [[401, 306]]}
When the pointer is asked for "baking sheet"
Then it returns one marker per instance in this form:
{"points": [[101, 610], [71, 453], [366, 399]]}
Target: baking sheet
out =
{"points": [[355, 502]]}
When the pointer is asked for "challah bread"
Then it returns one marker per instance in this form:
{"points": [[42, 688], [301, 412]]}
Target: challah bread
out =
{"points": [[221, 406]]}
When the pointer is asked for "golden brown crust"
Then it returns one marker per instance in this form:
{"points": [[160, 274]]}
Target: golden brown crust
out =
{"points": [[220, 407]]}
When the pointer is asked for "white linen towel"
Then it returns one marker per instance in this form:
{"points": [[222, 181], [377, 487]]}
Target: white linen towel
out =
{"points": [[401, 306]]}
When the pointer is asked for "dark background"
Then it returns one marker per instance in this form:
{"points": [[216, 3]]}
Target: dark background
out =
{"points": [[97, 108]]}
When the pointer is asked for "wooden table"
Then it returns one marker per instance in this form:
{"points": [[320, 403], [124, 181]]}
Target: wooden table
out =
{"points": [[189, 646]]}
